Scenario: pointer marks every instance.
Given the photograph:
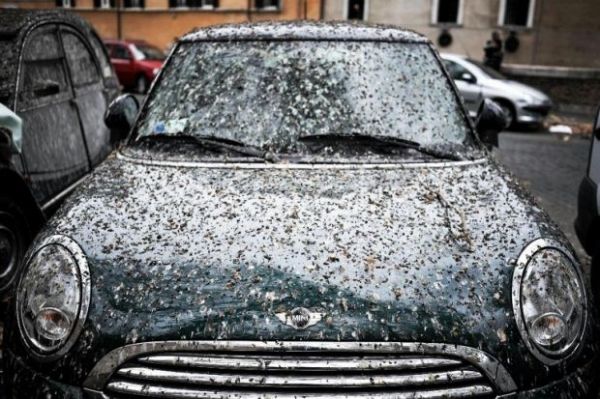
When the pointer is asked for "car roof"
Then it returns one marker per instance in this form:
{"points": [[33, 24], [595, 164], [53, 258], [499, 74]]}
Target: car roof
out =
{"points": [[15, 20], [449, 56], [305, 30]]}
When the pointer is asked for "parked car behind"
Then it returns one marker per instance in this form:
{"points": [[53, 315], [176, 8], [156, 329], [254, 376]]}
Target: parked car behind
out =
{"points": [[587, 224], [522, 104], [56, 77], [136, 63], [287, 220]]}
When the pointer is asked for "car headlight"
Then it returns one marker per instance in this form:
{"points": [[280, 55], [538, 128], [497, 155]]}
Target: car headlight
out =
{"points": [[53, 297], [155, 71], [549, 300]]}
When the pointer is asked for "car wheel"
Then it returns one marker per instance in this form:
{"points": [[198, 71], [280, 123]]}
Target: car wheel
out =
{"points": [[15, 236], [508, 111], [141, 85]]}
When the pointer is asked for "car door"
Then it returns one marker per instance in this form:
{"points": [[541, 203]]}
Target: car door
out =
{"points": [[54, 150], [90, 97], [122, 61], [467, 85]]}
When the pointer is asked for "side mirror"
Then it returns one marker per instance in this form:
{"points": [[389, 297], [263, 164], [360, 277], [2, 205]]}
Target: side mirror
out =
{"points": [[120, 116], [467, 77], [490, 121]]}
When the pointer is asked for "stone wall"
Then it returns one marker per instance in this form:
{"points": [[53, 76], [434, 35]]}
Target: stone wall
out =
{"points": [[160, 25], [563, 33]]}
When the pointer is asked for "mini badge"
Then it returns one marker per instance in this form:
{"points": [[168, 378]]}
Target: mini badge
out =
{"points": [[300, 318]]}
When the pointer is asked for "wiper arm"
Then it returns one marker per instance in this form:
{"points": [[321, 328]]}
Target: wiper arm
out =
{"points": [[215, 142], [382, 141]]}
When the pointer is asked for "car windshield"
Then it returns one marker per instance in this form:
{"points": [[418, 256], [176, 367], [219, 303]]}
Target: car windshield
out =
{"points": [[146, 52], [491, 73], [271, 95]]}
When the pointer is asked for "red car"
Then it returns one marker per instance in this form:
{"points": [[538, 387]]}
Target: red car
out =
{"points": [[136, 63]]}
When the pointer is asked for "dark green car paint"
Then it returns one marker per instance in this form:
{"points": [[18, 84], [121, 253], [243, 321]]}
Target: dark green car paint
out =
{"points": [[224, 259]]}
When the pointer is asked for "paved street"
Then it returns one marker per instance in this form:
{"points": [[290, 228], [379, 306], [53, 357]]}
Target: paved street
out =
{"points": [[551, 169]]}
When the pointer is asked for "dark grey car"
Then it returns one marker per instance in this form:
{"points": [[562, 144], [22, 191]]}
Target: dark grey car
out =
{"points": [[303, 210], [56, 76]]}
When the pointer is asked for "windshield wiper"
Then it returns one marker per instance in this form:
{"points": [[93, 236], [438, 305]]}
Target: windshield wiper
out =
{"points": [[215, 142], [385, 141]]}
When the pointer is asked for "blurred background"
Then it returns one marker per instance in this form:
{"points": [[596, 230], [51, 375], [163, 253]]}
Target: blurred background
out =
{"points": [[551, 44]]}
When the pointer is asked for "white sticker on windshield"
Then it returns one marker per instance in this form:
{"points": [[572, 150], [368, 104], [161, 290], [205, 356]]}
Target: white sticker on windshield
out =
{"points": [[171, 127]]}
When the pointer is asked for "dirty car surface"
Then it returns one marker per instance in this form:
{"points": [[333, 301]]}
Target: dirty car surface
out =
{"points": [[56, 80], [302, 210]]}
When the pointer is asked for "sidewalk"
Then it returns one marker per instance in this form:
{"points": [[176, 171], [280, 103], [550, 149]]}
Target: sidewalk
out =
{"points": [[580, 124]]}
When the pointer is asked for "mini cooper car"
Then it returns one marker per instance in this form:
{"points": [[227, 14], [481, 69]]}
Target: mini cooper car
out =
{"points": [[303, 210], [56, 80]]}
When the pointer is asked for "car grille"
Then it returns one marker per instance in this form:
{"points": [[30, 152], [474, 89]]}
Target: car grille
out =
{"points": [[296, 374]]}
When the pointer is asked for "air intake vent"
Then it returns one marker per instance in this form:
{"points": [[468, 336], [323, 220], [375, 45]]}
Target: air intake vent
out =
{"points": [[313, 373]]}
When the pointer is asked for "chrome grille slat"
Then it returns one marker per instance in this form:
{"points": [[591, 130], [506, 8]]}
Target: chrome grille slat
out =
{"points": [[266, 381], [144, 390], [302, 370], [309, 363]]}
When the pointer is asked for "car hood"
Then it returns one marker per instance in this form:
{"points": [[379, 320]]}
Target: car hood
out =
{"points": [[516, 89], [402, 253]]}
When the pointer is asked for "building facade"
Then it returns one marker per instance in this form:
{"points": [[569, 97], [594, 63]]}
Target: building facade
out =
{"points": [[535, 32], [160, 22]]}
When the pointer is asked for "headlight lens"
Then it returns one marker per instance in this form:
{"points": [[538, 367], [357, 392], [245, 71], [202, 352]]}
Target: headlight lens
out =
{"points": [[53, 297], [155, 71], [550, 301]]}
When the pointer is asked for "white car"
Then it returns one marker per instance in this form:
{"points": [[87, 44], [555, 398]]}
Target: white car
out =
{"points": [[522, 104]]}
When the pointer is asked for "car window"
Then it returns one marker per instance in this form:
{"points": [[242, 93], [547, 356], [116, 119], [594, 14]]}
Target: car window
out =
{"points": [[82, 64], [101, 56], [491, 73], [146, 52], [44, 75], [308, 87], [455, 70], [120, 52]]}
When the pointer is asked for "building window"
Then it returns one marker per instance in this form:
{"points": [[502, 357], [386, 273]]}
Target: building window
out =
{"points": [[356, 9], [65, 3], [194, 4], [516, 13], [134, 3], [447, 12], [104, 3], [266, 4]]}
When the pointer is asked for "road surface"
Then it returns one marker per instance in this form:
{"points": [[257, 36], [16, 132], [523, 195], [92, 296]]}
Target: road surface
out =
{"points": [[551, 169]]}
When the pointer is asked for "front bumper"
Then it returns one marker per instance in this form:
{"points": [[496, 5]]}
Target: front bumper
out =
{"points": [[24, 382], [20, 381], [533, 114]]}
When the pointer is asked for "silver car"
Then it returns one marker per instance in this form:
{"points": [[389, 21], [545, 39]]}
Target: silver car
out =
{"points": [[522, 104]]}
